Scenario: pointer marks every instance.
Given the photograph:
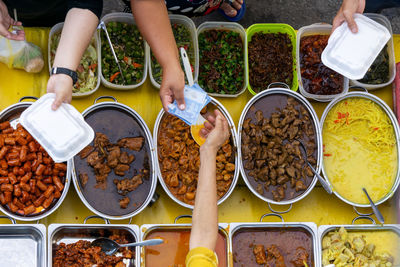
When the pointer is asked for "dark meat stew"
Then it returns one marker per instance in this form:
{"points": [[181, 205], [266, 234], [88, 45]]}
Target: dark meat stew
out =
{"points": [[273, 158], [289, 247]]}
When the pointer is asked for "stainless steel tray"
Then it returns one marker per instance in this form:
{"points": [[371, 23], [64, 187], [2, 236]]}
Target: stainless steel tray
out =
{"points": [[22, 245], [309, 227], [71, 233], [146, 229], [360, 228]]}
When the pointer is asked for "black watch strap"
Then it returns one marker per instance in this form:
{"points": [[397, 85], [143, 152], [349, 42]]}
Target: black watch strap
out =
{"points": [[71, 73]]}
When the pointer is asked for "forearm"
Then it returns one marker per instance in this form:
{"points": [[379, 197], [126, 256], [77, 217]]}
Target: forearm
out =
{"points": [[77, 33], [152, 19], [205, 214]]}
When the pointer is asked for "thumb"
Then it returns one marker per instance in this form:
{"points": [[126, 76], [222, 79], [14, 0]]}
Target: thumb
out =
{"points": [[180, 98], [4, 32], [350, 21], [57, 102]]}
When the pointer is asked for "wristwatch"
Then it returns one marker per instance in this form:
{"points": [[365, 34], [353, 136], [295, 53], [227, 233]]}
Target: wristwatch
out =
{"points": [[70, 73]]}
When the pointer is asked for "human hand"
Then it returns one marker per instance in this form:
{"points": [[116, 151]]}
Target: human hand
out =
{"points": [[61, 85], [6, 22], [172, 85], [216, 131], [346, 12]]}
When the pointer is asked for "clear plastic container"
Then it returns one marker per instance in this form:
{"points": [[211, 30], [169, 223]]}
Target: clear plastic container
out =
{"points": [[352, 54], [272, 28], [58, 28], [62, 133], [392, 62], [188, 23], [229, 26], [125, 18], [315, 29]]}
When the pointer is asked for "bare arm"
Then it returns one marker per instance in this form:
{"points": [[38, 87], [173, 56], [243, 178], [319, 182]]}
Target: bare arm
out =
{"points": [[205, 214], [77, 33], [152, 19]]}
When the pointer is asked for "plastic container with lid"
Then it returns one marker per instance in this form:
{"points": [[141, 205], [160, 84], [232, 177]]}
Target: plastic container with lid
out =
{"points": [[62, 133], [390, 47], [189, 24], [272, 28], [351, 54], [124, 18], [315, 29], [235, 27]]}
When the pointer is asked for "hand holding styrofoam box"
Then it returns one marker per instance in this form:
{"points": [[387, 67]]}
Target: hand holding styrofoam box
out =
{"points": [[62, 133], [351, 54]]}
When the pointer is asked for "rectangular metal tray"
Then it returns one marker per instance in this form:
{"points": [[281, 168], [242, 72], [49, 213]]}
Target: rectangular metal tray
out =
{"points": [[307, 226], [23, 245], [361, 228], [71, 233], [145, 229]]}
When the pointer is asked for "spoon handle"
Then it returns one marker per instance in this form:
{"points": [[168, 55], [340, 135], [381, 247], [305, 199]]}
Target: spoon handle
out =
{"points": [[324, 183], [150, 242], [375, 209]]}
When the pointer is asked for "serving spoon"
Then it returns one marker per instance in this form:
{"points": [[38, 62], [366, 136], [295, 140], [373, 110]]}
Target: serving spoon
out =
{"points": [[375, 209], [324, 183], [109, 246]]}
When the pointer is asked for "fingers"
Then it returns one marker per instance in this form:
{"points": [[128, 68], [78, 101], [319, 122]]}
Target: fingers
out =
{"points": [[237, 5], [57, 102], [180, 99], [208, 126], [165, 97], [337, 21], [350, 20], [204, 133]]}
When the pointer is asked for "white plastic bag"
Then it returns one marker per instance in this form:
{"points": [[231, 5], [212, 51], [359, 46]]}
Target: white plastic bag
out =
{"points": [[21, 55]]}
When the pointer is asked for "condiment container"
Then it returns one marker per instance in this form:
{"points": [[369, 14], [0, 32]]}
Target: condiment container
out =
{"points": [[62, 133], [189, 24], [351, 54], [315, 29], [272, 28], [235, 27], [58, 28], [392, 62]]}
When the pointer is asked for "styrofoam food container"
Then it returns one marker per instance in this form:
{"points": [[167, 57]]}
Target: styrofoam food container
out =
{"points": [[228, 26], [351, 54], [180, 19], [392, 62], [315, 29], [58, 28], [62, 133], [125, 18]]}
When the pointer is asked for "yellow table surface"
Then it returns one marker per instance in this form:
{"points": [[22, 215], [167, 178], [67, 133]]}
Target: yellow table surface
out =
{"points": [[241, 206]]}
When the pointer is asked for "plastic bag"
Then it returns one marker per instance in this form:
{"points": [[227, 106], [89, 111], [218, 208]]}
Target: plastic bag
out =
{"points": [[21, 55]]}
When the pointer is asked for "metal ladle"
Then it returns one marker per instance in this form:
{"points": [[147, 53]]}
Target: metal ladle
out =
{"points": [[375, 209], [109, 246], [324, 183]]}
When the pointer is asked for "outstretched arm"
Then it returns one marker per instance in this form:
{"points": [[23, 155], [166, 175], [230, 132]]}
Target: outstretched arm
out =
{"points": [[205, 214], [76, 35], [152, 19]]}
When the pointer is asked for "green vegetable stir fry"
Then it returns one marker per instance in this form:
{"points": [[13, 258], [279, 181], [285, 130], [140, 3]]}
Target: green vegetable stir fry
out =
{"points": [[129, 48], [87, 69], [221, 61], [378, 73], [183, 39]]}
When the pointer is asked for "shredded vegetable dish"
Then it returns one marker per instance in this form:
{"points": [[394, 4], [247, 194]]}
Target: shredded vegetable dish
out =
{"points": [[87, 69], [359, 150]]}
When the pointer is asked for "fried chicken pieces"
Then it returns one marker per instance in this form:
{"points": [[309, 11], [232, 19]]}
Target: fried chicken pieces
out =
{"points": [[105, 157]]}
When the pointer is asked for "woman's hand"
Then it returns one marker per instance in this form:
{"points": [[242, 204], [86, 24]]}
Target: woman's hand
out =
{"points": [[61, 85], [346, 12], [216, 131], [6, 22], [173, 83]]}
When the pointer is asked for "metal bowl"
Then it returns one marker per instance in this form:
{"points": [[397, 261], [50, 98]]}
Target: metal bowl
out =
{"points": [[90, 204], [393, 119], [314, 118], [234, 140], [12, 113]]}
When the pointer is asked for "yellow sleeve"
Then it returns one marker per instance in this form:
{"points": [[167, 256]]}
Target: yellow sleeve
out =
{"points": [[201, 257]]}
